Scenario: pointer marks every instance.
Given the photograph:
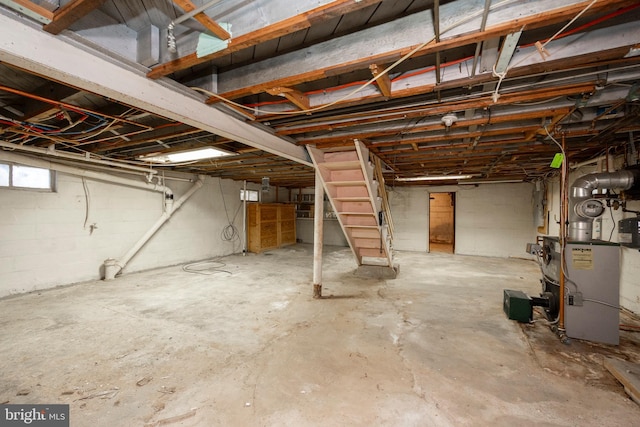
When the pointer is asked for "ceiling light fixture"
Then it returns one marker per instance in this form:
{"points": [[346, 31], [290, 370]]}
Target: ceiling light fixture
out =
{"points": [[495, 181], [186, 156], [434, 178], [449, 119]]}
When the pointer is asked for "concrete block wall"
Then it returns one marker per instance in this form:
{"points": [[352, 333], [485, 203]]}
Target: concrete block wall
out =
{"points": [[495, 220], [629, 279], [331, 231], [410, 212], [491, 219], [44, 241]]}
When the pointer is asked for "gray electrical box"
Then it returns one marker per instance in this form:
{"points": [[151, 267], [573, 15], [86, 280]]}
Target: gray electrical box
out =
{"points": [[629, 232]]}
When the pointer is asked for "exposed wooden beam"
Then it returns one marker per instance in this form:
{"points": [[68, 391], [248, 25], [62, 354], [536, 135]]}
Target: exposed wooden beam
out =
{"points": [[287, 26], [296, 97], [416, 113], [204, 19], [21, 47], [64, 17], [520, 131], [164, 134], [384, 82], [461, 124], [268, 73], [612, 57], [529, 96]]}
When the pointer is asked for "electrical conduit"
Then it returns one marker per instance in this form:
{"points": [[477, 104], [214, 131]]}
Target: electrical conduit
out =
{"points": [[112, 267]]}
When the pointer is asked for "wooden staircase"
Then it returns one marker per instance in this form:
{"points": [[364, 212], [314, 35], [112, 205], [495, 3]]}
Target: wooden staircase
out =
{"points": [[349, 181]]}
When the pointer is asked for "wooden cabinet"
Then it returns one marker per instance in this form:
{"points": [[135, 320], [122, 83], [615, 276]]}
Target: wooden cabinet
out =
{"points": [[270, 226]]}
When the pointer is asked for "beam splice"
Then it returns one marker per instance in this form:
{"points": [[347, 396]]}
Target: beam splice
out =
{"points": [[68, 61], [296, 97], [64, 17], [204, 19], [506, 53], [30, 9], [384, 82]]}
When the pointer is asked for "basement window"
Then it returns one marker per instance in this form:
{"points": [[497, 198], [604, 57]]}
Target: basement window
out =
{"points": [[249, 196], [25, 177]]}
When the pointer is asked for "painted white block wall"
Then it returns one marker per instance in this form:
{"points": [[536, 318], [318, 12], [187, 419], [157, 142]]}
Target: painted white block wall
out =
{"points": [[43, 241], [331, 232], [491, 219], [630, 279], [410, 213], [495, 220]]}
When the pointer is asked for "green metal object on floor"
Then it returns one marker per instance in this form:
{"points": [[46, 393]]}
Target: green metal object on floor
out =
{"points": [[517, 306]]}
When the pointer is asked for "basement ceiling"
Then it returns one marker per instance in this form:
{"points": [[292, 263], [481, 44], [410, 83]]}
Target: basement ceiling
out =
{"points": [[434, 88]]}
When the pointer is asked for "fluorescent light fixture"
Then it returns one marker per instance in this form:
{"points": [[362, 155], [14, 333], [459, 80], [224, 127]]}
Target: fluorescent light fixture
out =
{"points": [[496, 181], [435, 178], [186, 156]]}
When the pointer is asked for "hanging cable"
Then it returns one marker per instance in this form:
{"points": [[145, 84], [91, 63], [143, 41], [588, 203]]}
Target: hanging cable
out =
{"points": [[207, 267], [230, 232], [87, 201]]}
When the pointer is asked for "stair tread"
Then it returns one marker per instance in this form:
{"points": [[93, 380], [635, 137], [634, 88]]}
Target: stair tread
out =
{"points": [[361, 226], [342, 165], [352, 199], [346, 183], [357, 213]]}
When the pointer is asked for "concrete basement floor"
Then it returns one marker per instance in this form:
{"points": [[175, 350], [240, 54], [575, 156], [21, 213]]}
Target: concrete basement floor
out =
{"points": [[250, 347]]}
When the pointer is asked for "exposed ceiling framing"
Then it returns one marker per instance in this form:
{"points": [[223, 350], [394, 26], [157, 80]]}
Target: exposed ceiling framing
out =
{"points": [[264, 80]]}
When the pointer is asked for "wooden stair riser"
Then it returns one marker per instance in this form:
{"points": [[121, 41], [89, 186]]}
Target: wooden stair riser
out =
{"points": [[362, 221], [362, 207], [349, 182]]}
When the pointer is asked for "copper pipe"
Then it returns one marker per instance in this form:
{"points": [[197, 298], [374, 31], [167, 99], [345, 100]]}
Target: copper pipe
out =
{"points": [[564, 211]]}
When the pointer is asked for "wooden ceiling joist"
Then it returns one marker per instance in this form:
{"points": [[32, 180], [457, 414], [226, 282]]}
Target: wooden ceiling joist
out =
{"points": [[64, 17], [232, 85], [204, 19], [479, 121], [318, 15]]}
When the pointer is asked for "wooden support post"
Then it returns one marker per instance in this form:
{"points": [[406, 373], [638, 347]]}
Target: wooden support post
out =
{"points": [[318, 222]]}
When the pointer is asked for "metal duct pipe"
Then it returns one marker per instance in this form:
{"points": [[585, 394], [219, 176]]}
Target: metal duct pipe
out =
{"points": [[580, 226], [112, 267], [72, 170], [52, 152]]}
